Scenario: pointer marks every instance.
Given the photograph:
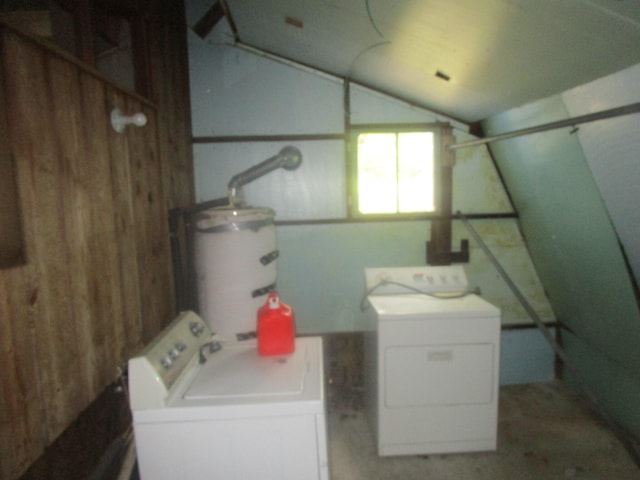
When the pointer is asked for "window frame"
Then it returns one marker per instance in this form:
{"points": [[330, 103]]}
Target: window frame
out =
{"points": [[436, 128]]}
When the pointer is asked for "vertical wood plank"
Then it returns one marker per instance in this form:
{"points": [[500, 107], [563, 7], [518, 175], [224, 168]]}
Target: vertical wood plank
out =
{"points": [[23, 434], [11, 242], [129, 330], [141, 55], [39, 170], [174, 122], [102, 262], [76, 201], [181, 168], [85, 27], [152, 231]]}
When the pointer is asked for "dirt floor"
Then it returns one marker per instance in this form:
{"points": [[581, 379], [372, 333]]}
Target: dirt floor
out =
{"points": [[545, 431]]}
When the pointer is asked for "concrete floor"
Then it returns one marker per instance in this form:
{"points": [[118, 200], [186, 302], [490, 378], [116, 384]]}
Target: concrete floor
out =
{"points": [[544, 432]]}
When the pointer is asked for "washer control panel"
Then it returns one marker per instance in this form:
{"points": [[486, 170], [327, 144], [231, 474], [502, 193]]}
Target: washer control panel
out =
{"points": [[155, 370], [401, 280]]}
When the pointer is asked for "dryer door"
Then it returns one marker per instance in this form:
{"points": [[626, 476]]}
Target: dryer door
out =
{"points": [[429, 375]]}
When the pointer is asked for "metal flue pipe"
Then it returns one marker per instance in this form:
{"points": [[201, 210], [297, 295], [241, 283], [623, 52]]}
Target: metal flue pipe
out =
{"points": [[288, 158]]}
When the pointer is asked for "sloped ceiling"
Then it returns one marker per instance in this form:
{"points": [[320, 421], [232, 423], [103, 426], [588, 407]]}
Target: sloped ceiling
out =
{"points": [[469, 59]]}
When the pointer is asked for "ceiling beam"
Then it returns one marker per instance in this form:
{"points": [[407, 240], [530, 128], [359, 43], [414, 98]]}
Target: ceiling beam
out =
{"points": [[209, 20]]}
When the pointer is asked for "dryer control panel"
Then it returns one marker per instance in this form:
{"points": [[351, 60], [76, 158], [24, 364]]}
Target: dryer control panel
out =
{"points": [[429, 279], [156, 369]]}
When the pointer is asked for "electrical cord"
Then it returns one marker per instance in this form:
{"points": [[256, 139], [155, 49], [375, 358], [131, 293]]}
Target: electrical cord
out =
{"points": [[440, 295]]}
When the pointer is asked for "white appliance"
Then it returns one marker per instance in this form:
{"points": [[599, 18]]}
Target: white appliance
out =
{"points": [[235, 260], [432, 362], [205, 410]]}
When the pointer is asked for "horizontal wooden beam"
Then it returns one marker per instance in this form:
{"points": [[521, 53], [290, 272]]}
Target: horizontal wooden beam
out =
{"points": [[269, 138]]}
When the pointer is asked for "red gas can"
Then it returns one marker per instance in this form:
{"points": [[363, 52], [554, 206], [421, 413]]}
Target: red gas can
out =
{"points": [[276, 328]]}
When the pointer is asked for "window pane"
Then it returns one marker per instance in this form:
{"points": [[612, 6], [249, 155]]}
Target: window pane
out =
{"points": [[377, 173], [415, 167]]}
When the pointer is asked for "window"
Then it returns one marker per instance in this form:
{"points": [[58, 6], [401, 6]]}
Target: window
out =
{"points": [[394, 170]]}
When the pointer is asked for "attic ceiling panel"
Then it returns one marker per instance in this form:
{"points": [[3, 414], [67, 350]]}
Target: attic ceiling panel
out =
{"points": [[330, 38], [611, 149], [498, 53]]}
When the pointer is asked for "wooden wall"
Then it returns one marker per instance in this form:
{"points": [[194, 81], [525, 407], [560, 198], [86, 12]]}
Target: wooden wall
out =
{"points": [[96, 283]]}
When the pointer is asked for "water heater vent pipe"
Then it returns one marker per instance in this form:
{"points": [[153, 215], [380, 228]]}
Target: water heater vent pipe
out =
{"points": [[288, 158]]}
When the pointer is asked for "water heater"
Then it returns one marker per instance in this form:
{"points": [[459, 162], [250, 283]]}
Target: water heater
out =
{"points": [[235, 261]]}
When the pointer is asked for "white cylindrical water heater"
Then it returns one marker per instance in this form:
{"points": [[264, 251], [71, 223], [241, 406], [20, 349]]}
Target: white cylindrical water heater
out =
{"points": [[235, 261]]}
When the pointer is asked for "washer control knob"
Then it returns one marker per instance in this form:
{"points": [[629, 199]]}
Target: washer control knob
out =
{"points": [[180, 346], [196, 329], [173, 353], [166, 362]]}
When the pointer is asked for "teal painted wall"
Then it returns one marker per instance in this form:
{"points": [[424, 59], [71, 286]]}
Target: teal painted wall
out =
{"points": [[321, 263], [575, 251], [321, 268]]}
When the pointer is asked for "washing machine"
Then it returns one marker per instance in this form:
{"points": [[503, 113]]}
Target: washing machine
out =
{"points": [[432, 352], [203, 409]]}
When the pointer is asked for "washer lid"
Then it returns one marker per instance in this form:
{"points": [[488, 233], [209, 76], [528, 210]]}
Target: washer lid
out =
{"points": [[238, 371], [415, 304]]}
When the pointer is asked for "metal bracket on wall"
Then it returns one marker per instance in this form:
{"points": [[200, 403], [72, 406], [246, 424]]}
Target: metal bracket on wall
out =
{"points": [[446, 256], [439, 247]]}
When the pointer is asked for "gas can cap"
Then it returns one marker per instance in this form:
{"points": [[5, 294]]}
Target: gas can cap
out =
{"points": [[274, 301]]}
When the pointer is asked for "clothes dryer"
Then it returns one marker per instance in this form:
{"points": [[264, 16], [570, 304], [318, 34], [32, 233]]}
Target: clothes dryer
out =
{"points": [[432, 362]]}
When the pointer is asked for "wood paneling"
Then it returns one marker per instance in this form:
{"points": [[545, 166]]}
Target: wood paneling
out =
{"points": [[22, 430], [11, 245], [173, 63], [39, 172], [97, 283]]}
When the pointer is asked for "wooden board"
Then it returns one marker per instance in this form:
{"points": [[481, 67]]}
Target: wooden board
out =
{"points": [[22, 431], [33, 144], [130, 329], [97, 282], [11, 242]]}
